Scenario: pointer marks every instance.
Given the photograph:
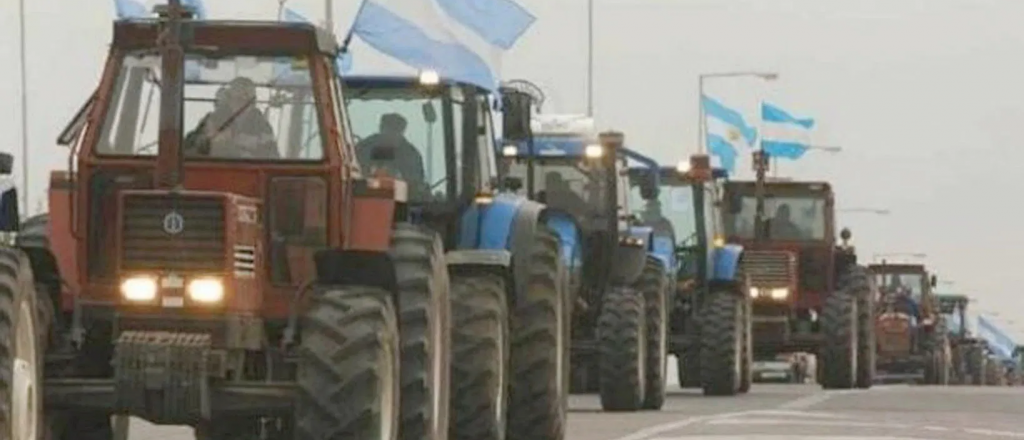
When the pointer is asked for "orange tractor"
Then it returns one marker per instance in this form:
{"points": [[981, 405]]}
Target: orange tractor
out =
{"points": [[196, 269], [913, 343]]}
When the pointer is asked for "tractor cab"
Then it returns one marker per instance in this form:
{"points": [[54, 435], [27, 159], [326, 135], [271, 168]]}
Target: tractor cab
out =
{"points": [[436, 135], [954, 309], [790, 246], [212, 154], [897, 282]]}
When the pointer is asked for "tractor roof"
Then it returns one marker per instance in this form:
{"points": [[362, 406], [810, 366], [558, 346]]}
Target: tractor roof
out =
{"points": [[897, 268], [782, 186], [952, 298], [250, 37]]}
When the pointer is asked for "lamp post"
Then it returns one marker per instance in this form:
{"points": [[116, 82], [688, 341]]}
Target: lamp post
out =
{"points": [[702, 122]]}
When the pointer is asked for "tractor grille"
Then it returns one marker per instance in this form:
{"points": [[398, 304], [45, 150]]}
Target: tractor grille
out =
{"points": [[768, 268], [147, 246]]}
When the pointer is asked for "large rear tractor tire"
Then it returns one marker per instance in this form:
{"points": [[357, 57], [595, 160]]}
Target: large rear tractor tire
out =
{"points": [[747, 359], [858, 283], [480, 346], [722, 348], [538, 397], [653, 284], [840, 348], [937, 371], [21, 356], [976, 363], [424, 310], [622, 347], [348, 376]]}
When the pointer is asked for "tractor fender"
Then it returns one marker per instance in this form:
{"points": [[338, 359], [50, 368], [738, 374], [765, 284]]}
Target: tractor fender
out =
{"points": [[34, 239], [568, 231], [725, 267], [664, 249], [337, 266]]}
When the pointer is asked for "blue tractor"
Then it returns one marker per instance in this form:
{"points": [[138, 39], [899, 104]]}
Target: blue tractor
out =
{"points": [[619, 284], [711, 311], [509, 333]]}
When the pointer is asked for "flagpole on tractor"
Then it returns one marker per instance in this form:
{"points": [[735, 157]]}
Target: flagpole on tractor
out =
{"points": [[24, 110]]}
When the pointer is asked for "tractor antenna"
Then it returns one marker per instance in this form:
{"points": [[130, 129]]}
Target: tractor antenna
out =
{"points": [[170, 166]]}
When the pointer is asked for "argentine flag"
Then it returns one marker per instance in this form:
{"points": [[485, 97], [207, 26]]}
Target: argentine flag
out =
{"points": [[1000, 344], [725, 128], [462, 40], [784, 135]]}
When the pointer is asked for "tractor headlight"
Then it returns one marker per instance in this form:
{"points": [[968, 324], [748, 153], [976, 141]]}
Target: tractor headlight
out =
{"points": [[593, 151], [754, 292], [206, 290], [429, 78], [139, 288], [509, 151], [779, 294]]}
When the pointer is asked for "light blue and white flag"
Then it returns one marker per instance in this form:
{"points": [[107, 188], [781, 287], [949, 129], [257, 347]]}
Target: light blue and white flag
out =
{"points": [[725, 130], [463, 40], [1001, 345], [344, 61], [784, 135]]}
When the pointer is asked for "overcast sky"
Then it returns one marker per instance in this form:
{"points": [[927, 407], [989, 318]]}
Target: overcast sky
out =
{"points": [[923, 96]]}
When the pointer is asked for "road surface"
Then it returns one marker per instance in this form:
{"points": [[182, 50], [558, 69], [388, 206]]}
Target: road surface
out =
{"points": [[788, 412]]}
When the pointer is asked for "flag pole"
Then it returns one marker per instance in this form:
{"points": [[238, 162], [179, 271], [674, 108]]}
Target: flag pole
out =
{"points": [[590, 58], [24, 109]]}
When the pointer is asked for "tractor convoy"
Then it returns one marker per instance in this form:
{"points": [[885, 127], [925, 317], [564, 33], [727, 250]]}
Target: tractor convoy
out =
{"points": [[251, 243]]}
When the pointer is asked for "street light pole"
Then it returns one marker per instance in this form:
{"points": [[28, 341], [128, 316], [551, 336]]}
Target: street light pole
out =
{"points": [[24, 110], [590, 58]]}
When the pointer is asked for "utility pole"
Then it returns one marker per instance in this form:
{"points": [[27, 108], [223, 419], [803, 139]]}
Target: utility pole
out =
{"points": [[590, 58], [24, 110], [329, 15]]}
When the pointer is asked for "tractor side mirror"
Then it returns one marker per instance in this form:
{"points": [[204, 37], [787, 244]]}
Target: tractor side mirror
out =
{"points": [[10, 218], [934, 280], [6, 163], [517, 109], [512, 183]]}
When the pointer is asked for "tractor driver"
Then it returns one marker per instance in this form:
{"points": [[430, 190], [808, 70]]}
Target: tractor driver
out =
{"points": [[235, 128], [558, 193], [782, 227], [388, 149]]}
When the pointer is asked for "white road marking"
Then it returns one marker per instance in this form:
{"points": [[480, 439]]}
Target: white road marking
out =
{"points": [[790, 422], [994, 433], [648, 433], [814, 399], [785, 437]]}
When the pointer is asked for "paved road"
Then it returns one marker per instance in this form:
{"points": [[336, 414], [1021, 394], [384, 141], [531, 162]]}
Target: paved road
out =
{"points": [[789, 412]]}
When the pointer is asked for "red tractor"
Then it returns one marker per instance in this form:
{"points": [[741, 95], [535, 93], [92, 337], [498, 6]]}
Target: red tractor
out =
{"points": [[196, 270], [809, 294]]}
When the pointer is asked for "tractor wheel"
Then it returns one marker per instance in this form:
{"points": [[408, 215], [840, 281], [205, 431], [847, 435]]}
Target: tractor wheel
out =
{"points": [[480, 347], [93, 361], [21, 356], [538, 395], [722, 348], [653, 284], [839, 350], [976, 363], [688, 368], [348, 371], [424, 310], [622, 347], [747, 358], [858, 283]]}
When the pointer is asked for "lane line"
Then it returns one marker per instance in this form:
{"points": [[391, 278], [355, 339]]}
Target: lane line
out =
{"points": [[649, 432]]}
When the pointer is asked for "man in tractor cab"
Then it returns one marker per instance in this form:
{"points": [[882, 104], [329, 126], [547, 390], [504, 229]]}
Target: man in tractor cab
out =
{"points": [[782, 226], [235, 128], [558, 193], [390, 150]]}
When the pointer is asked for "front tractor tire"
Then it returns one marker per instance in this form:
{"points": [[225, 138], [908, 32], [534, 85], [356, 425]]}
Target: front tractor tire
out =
{"points": [[348, 376], [424, 310], [722, 335], [838, 359], [858, 283], [20, 349], [653, 283], [622, 346], [480, 347], [538, 398]]}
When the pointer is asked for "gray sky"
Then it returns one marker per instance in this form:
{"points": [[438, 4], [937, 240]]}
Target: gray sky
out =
{"points": [[922, 95]]}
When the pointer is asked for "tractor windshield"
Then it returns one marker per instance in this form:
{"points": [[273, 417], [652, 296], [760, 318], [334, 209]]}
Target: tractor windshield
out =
{"points": [[912, 283], [674, 205], [798, 218], [403, 129], [235, 108], [570, 183]]}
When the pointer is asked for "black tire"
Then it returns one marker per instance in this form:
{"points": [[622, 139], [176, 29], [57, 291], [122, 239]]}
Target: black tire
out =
{"points": [[858, 283], [688, 367], [976, 363], [839, 350], [654, 285], [480, 346], [348, 373], [721, 343], [747, 358], [424, 310], [539, 348], [20, 348], [622, 347]]}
